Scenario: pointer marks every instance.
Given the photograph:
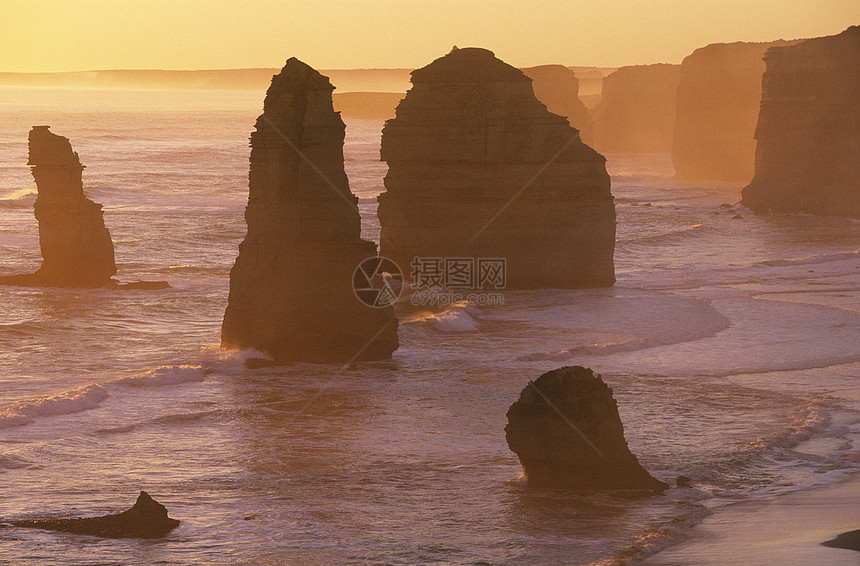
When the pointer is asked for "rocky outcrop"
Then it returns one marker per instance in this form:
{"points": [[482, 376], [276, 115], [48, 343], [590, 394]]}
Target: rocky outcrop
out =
{"points": [[146, 519], [566, 431], [478, 168], [291, 292], [558, 88], [717, 110], [77, 250], [636, 113], [808, 134], [849, 541]]}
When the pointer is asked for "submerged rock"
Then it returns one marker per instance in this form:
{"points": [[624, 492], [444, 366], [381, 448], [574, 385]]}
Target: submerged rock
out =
{"points": [[566, 431], [77, 250], [717, 110], [808, 134], [146, 519], [558, 88], [848, 541], [478, 168], [636, 113], [291, 289]]}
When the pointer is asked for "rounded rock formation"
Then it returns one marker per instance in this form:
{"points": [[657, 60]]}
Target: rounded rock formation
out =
{"points": [[566, 431]]}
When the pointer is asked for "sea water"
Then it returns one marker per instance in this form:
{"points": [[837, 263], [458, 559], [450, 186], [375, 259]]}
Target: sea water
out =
{"points": [[730, 341]]}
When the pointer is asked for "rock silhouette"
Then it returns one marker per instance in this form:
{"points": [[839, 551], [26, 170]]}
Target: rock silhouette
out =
{"points": [[146, 519], [848, 541], [478, 168], [558, 88], [636, 113], [77, 250], [717, 109], [566, 431], [808, 134], [291, 293]]}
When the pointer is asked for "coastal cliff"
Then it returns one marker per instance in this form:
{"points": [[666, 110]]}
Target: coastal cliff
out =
{"points": [[636, 113], [717, 109], [808, 134]]}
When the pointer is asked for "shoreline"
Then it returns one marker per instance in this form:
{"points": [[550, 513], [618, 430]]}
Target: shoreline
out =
{"points": [[787, 529]]}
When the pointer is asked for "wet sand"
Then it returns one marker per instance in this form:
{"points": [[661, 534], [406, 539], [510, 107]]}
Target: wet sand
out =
{"points": [[783, 530]]}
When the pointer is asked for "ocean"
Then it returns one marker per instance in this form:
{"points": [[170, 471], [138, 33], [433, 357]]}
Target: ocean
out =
{"points": [[730, 341]]}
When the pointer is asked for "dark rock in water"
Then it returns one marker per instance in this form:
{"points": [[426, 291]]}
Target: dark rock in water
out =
{"points": [[717, 109], [77, 250], [636, 113], [808, 134], [566, 431], [478, 168], [291, 289], [848, 541], [146, 519], [558, 88]]}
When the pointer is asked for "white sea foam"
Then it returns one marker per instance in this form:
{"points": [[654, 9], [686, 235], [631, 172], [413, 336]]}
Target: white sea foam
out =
{"points": [[165, 375], [74, 401], [813, 259], [459, 317]]}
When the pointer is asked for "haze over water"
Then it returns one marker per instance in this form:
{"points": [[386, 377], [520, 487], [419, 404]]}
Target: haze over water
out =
{"points": [[731, 345]]}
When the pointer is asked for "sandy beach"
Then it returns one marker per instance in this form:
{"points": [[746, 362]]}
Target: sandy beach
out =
{"points": [[783, 530]]}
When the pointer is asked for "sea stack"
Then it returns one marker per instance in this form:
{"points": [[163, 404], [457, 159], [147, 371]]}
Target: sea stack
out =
{"points": [[808, 134], [291, 289], [566, 431], [479, 168], [717, 110], [636, 113], [77, 250], [558, 88]]}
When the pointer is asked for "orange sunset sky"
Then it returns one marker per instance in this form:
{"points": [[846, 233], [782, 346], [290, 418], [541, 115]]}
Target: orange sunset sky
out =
{"points": [[53, 35]]}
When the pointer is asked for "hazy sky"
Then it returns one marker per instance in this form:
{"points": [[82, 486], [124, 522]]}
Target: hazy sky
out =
{"points": [[71, 35]]}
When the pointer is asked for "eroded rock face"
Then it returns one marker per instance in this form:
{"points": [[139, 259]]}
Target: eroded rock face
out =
{"points": [[717, 110], [146, 519], [636, 113], [566, 431], [558, 88], [77, 250], [291, 292], [478, 168], [808, 134]]}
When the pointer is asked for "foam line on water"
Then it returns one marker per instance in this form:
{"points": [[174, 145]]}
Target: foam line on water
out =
{"points": [[68, 402]]}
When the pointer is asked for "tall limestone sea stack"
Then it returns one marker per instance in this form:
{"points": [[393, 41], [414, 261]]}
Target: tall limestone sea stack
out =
{"points": [[77, 250], [478, 168], [808, 134], [717, 110], [291, 293], [636, 113], [558, 88]]}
